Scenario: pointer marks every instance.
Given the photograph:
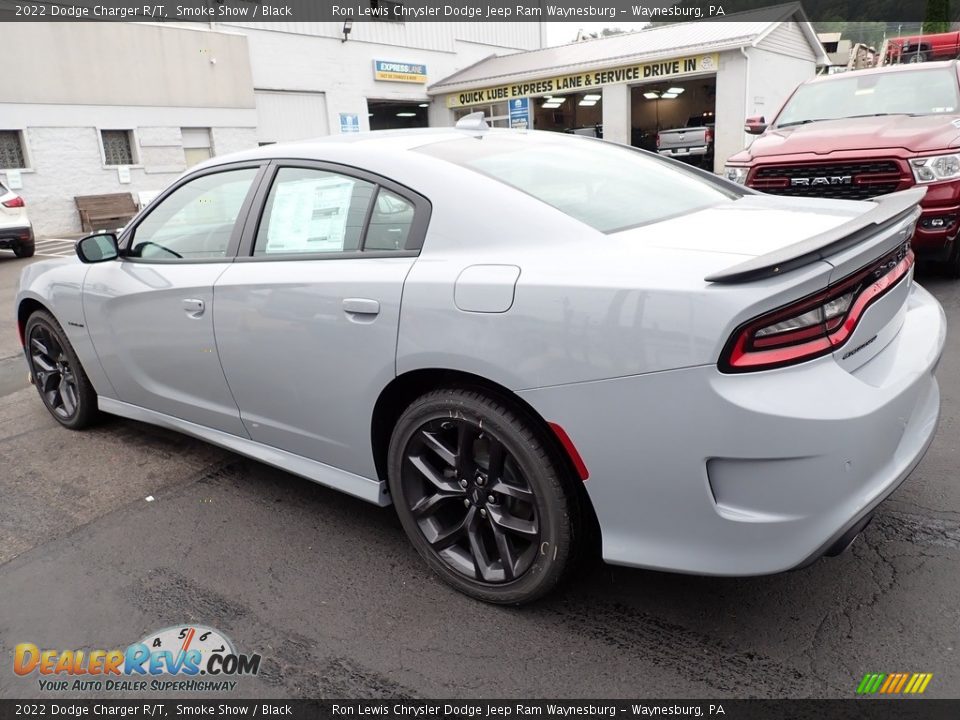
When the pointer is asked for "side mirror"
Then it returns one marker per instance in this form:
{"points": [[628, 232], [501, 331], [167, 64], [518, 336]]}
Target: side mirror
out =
{"points": [[755, 125], [98, 248]]}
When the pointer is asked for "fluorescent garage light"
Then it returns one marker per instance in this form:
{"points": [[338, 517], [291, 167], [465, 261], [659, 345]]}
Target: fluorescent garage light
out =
{"points": [[406, 114], [675, 91], [587, 103], [424, 105], [591, 97], [651, 95], [668, 96], [550, 106]]}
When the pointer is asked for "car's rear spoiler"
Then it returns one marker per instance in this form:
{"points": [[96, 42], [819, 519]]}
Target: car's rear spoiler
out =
{"points": [[890, 209]]}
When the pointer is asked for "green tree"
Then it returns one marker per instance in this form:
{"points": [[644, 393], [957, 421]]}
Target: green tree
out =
{"points": [[937, 17]]}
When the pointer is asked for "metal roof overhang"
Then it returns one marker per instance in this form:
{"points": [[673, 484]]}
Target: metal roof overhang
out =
{"points": [[440, 88]]}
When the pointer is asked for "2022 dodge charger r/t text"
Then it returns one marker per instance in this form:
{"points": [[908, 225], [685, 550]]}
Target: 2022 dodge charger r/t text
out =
{"points": [[516, 338]]}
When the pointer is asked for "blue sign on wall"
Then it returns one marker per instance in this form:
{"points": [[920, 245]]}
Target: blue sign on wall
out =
{"points": [[399, 71], [520, 113], [349, 122]]}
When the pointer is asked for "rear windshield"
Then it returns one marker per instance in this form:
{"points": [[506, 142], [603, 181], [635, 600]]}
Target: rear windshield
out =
{"points": [[606, 186], [903, 92]]}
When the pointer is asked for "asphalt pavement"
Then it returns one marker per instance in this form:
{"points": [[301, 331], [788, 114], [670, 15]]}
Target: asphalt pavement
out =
{"points": [[328, 591]]}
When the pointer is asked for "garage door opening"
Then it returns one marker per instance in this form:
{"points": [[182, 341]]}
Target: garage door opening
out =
{"points": [[580, 113], [675, 105], [393, 114]]}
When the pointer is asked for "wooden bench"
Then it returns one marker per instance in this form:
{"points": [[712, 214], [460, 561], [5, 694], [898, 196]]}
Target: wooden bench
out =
{"points": [[105, 212]]}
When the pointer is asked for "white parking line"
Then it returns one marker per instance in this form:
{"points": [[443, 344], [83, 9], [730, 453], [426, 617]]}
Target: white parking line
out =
{"points": [[55, 247]]}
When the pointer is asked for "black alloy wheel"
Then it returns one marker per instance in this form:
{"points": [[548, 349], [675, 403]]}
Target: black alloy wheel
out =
{"points": [[471, 501], [57, 373], [481, 496]]}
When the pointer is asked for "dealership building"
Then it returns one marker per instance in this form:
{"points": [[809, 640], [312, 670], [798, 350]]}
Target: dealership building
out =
{"points": [[628, 87], [127, 107]]}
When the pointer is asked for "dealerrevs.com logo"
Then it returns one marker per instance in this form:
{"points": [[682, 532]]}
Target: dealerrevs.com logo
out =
{"points": [[180, 658]]}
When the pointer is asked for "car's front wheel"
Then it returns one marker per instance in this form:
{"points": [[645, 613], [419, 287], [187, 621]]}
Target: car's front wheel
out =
{"points": [[482, 496], [57, 374]]}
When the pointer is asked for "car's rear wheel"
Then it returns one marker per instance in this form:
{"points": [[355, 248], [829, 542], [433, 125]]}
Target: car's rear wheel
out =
{"points": [[918, 56], [24, 249], [482, 497], [57, 374]]}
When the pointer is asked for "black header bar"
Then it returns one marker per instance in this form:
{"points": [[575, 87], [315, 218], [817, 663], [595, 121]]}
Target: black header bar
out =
{"points": [[610, 11]]}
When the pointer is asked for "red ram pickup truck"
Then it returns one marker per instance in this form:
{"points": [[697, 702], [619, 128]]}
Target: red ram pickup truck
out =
{"points": [[856, 135], [921, 48]]}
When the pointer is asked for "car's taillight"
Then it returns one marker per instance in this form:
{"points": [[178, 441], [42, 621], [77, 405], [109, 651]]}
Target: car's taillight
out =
{"points": [[658, 140], [815, 325], [708, 136], [14, 202]]}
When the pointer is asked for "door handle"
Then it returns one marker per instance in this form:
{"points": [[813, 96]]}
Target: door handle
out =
{"points": [[194, 307], [361, 306]]}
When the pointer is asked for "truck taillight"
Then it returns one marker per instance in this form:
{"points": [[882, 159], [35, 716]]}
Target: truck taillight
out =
{"points": [[16, 202], [658, 139], [815, 325], [708, 136]]}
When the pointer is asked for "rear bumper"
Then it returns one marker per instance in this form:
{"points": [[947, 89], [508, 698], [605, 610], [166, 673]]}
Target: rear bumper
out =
{"points": [[11, 237], [695, 471], [680, 153]]}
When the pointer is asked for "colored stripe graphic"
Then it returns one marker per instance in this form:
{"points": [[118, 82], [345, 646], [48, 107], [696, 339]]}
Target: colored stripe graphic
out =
{"points": [[894, 683], [903, 681]]}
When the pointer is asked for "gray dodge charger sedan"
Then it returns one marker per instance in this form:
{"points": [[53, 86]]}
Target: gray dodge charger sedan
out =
{"points": [[520, 340]]}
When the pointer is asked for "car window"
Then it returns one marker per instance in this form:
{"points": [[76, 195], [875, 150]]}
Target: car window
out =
{"points": [[196, 220], [606, 186], [313, 211], [390, 222]]}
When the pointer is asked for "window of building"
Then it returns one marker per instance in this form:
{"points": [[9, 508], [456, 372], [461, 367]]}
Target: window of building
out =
{"points": [[11, 150], [197, 145], [117, 147], [496, 115]]}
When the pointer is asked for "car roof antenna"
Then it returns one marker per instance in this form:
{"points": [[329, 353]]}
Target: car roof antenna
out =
{"points": [[473, 121]]}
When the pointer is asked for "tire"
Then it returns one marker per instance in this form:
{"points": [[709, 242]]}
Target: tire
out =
{"points": [[57, 374], [951, 266], [918, 57], [24, 249], [507, 529]]}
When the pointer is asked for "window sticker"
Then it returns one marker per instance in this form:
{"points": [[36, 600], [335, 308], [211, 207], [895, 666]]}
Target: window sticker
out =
{"points": [[309, 215]]}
